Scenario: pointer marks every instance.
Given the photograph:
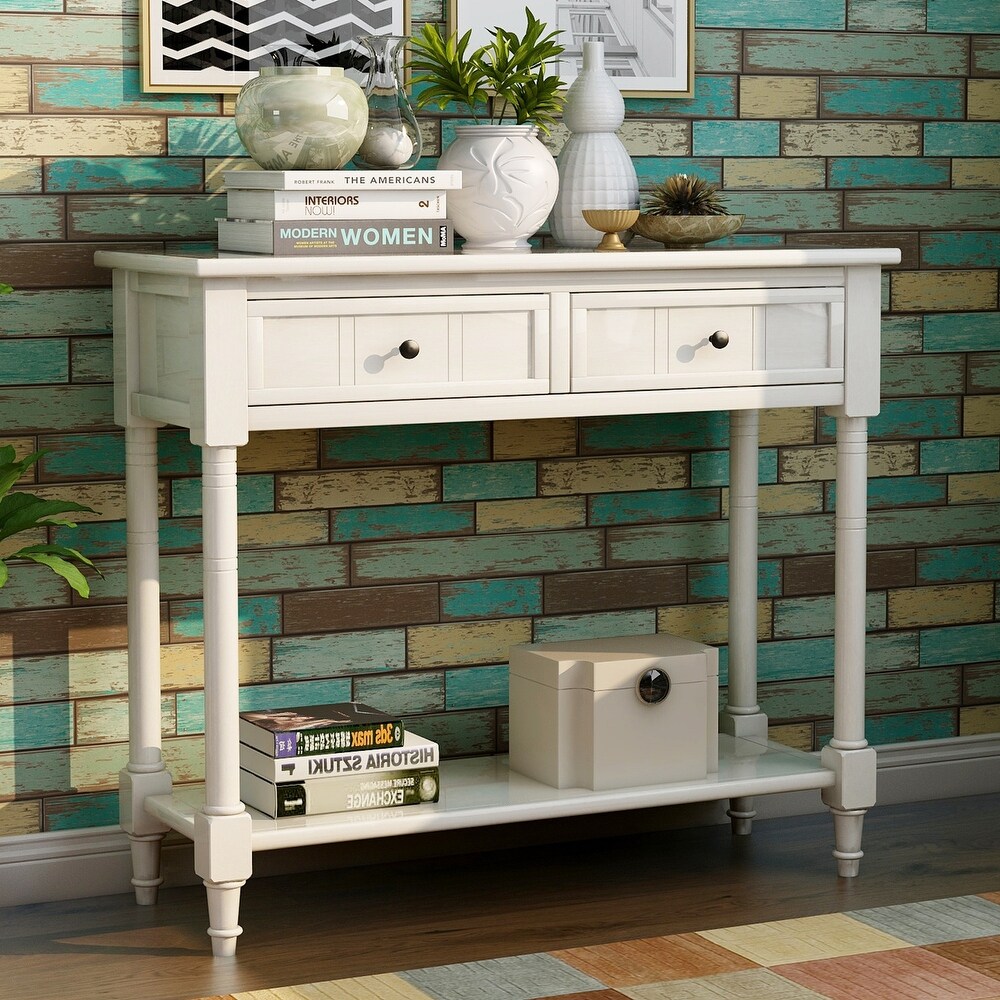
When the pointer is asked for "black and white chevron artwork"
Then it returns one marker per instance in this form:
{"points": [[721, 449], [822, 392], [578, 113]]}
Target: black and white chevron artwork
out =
{"points": [[217, 45]]}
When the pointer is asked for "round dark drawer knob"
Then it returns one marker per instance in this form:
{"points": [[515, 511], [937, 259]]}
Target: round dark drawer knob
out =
{"points": [[652, 686], [409, 349], [719, 339]]}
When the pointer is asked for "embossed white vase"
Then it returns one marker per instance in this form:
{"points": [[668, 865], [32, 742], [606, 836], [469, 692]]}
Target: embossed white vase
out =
{"points": [[509, 184], [595, 169]]}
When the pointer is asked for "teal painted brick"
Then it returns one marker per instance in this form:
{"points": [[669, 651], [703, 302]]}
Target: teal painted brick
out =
{"points": [[711, 468], [716, 52], [924, 209], [422, 520], [737, 138], [972, 16], [653, 505], [962, 332], [892, 651], [791, 659], [982, 683], [341, 654], [154, 215], [960, 250], [511, 597], [687, 542], [986, 56], [816, 14], [902, 334], [931, 375], [124, 173], [714, 97], [958, 563], [652, 170], [968, 455], [787, 211], [91, 360], [31, 217], [67, 89], [898, 491], [403, 694], [466, 442], [254, 495], [461, 734], [257, 616], [62, 408], [653, 432], [79, 311], [558, 628], [935, 525], [454, 558], [710, 581], [293, 568], [887, 15], [30, 586], [802, 617], [959, 644], [33, 362], [32, 727], [99, 539], [984, 374], [176, 454], [906, 727], [78, 812], [889, 172], [910, 418], [202, 137], [476, 687], [961, 139], [33, 6], [892, 97], [489, 480]]}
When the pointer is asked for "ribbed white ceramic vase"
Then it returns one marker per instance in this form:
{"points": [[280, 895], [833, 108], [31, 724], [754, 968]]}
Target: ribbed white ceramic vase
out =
{"points": [[595, 169]]}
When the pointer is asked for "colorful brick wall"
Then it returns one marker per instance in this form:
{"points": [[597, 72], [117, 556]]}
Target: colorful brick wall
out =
{"points": [[396, 565]]}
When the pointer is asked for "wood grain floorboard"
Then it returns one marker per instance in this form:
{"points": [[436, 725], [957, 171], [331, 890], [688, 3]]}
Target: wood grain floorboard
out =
{"points": [[466, 907]]}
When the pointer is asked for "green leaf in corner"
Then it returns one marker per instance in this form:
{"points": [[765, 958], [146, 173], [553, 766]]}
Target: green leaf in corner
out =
{"points": [[57, 558]]}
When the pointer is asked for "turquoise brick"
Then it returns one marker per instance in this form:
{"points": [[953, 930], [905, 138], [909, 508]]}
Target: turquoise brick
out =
{"points": [[962, 332], [889, 172], [602, 623], [902, 334], [31, 217], [652, 170], [930, 209], [61, 408], [961, 139], [653, 505], [202, 137], [907, 727], [68, 89], [421, 520], [898, 491], [476, 687], [964, 16], [77, 812], [33, 362], [968, 455], [176, 215], [788, 211], [513, 597], [403, 694], [295, 569], [984, 374], [791, 659], [902, 419], [32, 727], [959, 644], [929, 375], [710, 581], [737, 138], [257, 616], [489, 480], [461, 734], [982, 683], [176, 454], [887, 15], [711, 468], [715, 52], [99, 539], [934, 525], [454, 558], [892, 97], [960, 250], [802, 617], [466, 442], [81, 312], [254, 495], [92, 360], [958, 563], [653, 432], [714, 97], [892, 651], [673, 543], [341, 654], [816, 14], [128, 173]]}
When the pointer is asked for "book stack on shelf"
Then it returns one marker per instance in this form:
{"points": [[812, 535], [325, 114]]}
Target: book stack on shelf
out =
{"points": [[342, 757], [348, 212]]}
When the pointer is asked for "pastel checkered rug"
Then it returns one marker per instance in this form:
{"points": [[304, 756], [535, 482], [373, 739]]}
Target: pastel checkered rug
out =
{"points": [[935, 950]]}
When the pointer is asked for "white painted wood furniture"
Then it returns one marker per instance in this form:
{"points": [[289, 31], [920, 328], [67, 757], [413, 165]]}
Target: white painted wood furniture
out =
{"points": [[229, 346]]}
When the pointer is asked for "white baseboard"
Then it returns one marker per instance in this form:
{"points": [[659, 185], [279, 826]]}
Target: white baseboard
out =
{"points": [[77, 864]]}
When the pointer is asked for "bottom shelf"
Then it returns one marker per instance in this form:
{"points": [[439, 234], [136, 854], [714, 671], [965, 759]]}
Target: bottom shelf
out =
{"points": [[481, 791]]}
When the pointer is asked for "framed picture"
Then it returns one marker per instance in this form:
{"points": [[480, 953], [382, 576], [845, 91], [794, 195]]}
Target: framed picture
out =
{"points": [[215, 46], [648, 44]]}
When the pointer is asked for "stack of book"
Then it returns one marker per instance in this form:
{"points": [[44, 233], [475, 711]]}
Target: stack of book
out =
{"points": [[297, 212], [333, 758]]}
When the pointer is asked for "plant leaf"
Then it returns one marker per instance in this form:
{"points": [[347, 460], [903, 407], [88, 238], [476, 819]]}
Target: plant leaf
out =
{"points": [[56, 557]]}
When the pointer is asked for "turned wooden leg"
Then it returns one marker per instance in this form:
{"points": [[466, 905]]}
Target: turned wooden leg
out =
{"points": [[741, 813]]}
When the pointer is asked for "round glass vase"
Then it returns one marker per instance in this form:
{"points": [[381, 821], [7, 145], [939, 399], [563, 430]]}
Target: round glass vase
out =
{"points": [[301, 117], [392, 141]]}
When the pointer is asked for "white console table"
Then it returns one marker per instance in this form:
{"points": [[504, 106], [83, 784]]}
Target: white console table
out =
{"points": [[228, 346]]}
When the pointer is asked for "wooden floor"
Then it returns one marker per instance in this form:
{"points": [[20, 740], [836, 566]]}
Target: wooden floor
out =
{"points": [[433, 911]]}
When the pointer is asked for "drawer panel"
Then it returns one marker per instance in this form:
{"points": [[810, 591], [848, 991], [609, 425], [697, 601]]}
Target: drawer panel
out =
{"points": [[359, 349]]}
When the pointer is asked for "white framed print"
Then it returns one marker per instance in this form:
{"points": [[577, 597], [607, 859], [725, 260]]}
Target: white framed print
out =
{"points": [[215, 46], [648, 44]]}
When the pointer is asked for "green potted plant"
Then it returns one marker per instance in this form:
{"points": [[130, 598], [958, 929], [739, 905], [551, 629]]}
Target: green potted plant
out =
{"points": [[511, 90], [685, 210]]}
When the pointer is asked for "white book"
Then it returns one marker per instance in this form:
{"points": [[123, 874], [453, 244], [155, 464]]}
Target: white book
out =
{"points": [[388, 203], [416, 751], [351, 237], [344, 180]]}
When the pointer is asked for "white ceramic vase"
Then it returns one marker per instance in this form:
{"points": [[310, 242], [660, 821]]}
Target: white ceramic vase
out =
{"points": [[509, 184], [595, 169]]}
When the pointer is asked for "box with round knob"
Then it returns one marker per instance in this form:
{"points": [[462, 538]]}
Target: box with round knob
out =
{"points": [[614, 712]]}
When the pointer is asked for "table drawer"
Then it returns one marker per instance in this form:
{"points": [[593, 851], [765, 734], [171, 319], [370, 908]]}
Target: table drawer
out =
{"points": [[412, 347], [725, 337]]}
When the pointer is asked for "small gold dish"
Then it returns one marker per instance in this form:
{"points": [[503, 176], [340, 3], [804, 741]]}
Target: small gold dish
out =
{"points": [[686, 230], [611, 222]]}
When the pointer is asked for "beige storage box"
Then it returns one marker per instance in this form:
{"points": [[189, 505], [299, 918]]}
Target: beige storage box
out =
{"points": [[614, 712]]}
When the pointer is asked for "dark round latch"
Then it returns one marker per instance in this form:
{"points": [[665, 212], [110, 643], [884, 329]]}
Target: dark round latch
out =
{"points": [[652, 686], [409, 349], [719, 339]]}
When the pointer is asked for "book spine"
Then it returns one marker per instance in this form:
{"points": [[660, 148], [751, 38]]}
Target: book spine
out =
{"points": [[355, 238], [415, 752], [322, 205], [340, 794], [344, 180], [332, 739]]}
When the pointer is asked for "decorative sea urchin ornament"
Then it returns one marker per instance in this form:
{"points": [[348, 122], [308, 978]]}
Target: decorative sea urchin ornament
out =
{"points": [[685, 194]]}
